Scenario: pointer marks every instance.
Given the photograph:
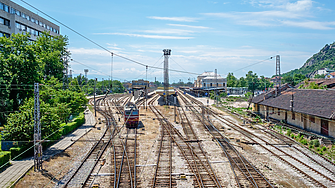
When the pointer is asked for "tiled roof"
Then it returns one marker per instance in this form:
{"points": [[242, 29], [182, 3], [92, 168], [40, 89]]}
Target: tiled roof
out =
{"points": [[308, 101]]}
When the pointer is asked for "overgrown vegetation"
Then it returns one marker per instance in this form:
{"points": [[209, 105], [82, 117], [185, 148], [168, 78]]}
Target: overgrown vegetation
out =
{"points": [[311, 85], [314, 144]]}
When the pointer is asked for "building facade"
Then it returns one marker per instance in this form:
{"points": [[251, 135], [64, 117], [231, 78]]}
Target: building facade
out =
{"points": [[208, 80], [16, 19], [309, 109]]}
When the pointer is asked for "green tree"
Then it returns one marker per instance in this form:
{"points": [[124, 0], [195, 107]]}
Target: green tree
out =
{"points": [[319, 76], [231, 80], [288, 79], [242, 82]]}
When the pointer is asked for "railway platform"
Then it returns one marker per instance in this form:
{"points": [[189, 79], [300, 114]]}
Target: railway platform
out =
{"points": [[19, 168]]}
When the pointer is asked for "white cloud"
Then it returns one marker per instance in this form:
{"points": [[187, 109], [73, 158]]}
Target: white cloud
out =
{"points": [[177, 19], [169, 31], [298, 6], [310, 24], [190, 26], [91, 51], [284, 13], [146, 36]]}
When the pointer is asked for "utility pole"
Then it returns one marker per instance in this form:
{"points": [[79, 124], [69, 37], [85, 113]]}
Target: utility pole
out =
{"points": [[167, 53], [278, 80], [175, 108], [216, 86], [37, 130], [95, 110], [146, 87], [86, 71]]}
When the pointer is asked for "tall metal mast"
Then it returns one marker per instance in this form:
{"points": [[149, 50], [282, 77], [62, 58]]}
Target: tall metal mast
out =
{"points": [[167, 53], [37, 130], [278, 80]]}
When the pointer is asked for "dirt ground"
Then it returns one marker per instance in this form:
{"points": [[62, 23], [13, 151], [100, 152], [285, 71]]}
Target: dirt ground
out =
{"points": [[148, 135]]}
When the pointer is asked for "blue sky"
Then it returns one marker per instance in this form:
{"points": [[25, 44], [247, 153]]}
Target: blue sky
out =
{"points": [[203, 35]]}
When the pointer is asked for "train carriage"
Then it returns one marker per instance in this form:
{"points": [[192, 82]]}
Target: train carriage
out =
{"points": [[131, 115]]}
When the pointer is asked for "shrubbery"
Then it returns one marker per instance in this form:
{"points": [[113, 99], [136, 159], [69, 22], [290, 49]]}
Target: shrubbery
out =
{"points": [[4, 157]]}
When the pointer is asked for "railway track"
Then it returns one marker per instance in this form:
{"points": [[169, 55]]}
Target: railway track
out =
{"points": [[246, 175], [82, 175], [203, 173], [122, 150], [319, 175], [125, 160]]}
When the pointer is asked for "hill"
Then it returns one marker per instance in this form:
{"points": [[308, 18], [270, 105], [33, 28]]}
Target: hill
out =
{"points": [[323, 59]]}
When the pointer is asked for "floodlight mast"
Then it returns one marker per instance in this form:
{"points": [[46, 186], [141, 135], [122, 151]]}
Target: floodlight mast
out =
{"points": [[167, 53]]}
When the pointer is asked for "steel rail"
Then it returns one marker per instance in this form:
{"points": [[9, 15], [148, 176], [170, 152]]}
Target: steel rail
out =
{"points": [[88, 155], [210, 171], [172, 131], [210, 128], [249, 134]]}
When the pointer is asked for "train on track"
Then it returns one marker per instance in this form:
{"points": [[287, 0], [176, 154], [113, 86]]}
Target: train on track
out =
{"points": [[131, 115]]}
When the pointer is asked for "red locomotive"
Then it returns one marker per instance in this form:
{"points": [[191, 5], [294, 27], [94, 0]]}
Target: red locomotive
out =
{"points": [[131, 115]]}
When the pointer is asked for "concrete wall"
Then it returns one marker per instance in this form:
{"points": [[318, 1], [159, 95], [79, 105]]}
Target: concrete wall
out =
{"points": [[302, 121], [331, 130]]}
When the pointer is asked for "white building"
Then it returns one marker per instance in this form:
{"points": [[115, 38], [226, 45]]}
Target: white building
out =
{"points": [[208, 80]]}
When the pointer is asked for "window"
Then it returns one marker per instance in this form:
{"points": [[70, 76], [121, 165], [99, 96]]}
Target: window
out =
{"points": [[1, 6], [23, 15], [48, 27], [32, 19], [17, 12], [6, 8], [36, 21], [293, 116], [27, 17], [28, 30], [23, 27], [278, 112], [312, 119], [2, 21], [217, 84], [210, 84], [6, 22], [18, 25], [41, 24], [223, 85], [301, 118], [12, 11], [204, 84]]}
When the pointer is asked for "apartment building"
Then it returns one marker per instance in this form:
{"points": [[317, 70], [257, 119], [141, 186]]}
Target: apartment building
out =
{"points": [[16, 19]]}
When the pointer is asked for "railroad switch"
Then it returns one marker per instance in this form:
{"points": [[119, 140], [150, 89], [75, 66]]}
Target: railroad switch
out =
{"points": [[183, 177], [96, 185]]}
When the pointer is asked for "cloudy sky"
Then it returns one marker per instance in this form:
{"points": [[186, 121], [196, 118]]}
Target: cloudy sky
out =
{"points": [[203, 35]]}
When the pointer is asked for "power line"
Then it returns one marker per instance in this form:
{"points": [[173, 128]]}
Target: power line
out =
{"points": [[112, 53], [253, 64]]}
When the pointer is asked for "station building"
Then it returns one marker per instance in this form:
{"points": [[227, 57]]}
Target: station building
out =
{"points": [[16, 19], [309, 109], [208, 79]]}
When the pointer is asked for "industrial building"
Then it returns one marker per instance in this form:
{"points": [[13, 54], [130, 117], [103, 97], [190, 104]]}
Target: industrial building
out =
{"points": [[16, 19], [309, 109]]}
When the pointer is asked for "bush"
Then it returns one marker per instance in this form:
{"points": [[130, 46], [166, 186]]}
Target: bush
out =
{"points": [[288, 133], [304, 141], [4, 157], [292, 135], [324, 148], [316, 143], [18, 150]]}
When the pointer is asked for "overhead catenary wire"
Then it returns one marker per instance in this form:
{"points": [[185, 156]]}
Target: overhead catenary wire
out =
{"points": [[100, 46], [253, 64]]}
